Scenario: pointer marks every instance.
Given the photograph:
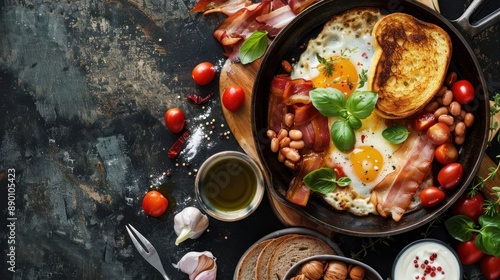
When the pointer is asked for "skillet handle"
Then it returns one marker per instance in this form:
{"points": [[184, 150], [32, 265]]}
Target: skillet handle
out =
{"points": [[463, 22]]}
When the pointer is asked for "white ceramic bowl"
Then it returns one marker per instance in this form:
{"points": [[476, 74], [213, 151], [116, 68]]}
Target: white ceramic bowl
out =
{"points": [[370, 273], [417, 257]]}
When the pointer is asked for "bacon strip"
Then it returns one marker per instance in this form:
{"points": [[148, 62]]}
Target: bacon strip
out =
{"points": [[299, 5], [298, 193], [394, 193], [276, 20], [228, 7]]}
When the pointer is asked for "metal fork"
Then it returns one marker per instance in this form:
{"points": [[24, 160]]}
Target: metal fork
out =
{"points": [[150, 253]]}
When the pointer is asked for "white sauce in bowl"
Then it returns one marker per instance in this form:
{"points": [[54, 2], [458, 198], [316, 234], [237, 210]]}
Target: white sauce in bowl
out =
{"points": [[425, 260]]}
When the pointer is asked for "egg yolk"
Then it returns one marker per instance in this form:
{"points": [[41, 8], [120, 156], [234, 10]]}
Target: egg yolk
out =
{"points": [[366, 162], [339, 73]]}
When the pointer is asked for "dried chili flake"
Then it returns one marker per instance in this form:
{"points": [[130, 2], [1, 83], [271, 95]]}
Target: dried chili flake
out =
{"points": [[196, 99], [177, 146]]}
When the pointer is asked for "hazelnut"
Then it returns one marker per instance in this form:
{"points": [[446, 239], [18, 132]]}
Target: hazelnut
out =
{"points": [[312, 270]]}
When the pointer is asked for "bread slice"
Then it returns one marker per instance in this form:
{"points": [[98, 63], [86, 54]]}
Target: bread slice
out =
{"points": [[265, 255], [248, 263], [410, 61], [292, 250]]}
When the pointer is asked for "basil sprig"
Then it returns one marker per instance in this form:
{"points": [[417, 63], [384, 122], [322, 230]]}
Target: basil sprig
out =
{"points": [[396, 134], [487, 240], [324, 180], [331, 102], [253, 47]]}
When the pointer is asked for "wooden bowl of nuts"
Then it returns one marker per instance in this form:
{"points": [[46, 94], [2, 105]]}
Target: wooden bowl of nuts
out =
{"points": [[331, 267]]}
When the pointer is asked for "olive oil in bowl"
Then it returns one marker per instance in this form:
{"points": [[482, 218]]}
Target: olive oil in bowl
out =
{"points": [[229, 186]]}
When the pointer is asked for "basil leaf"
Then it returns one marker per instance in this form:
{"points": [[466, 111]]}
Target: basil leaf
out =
{"points": [[396, 134], [488, 241], [361, 103], [342, 135], [254, 47], [460, 227], [344, 181], [486, 220], [328, 101], [354, 122], [322, 180]]}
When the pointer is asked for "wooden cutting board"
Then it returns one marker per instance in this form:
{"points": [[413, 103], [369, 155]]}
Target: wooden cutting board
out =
{"points": [[240, 125]]}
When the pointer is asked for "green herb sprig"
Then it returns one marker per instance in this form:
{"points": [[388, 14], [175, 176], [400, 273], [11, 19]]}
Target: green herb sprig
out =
{"points": [[331, 102], [396, 134], [254, 47], [324, 180], [487, 240]]}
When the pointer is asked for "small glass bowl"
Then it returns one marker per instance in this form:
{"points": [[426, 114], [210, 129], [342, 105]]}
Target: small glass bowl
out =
{"points": [[228, 171], [432, 254]]}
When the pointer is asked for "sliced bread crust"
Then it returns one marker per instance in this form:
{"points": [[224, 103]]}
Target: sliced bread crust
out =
{"points": [[409, 66], [246, 269]]}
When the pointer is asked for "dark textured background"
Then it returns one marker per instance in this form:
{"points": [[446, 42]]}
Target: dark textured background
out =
{"points": [[83, 89]]}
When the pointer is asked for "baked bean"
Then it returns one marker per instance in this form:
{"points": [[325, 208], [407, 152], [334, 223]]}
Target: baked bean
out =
{"points": [[461, 116], [431, 106], [285, 142], [282, 134], [440, 111], [275, 145], [295, 134], [469, 119], [459, 140], [297, 144], [442, 91], [446, 119], [452, 126], [281, 157], [271, 134], [291, 154], [460, 129], [290, 164], [289, 118], [286, 66], [447, 97], [451, 78], [455, 108]]}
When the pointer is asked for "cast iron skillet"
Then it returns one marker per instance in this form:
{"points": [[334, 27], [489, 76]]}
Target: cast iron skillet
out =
{"points": [[286, 45]]}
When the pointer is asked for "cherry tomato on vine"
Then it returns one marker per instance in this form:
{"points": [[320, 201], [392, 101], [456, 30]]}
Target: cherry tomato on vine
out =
{"points": [[233, 97], [175, 120], [450, 175], [463, 91], [468, 253], [490, 266], [154, 204], [423, 121], [446, 153], [203, 73], [470, 206], [431, 196]]}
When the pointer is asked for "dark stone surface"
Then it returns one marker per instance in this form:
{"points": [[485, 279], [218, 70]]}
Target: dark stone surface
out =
{"points": [[83, 89]]}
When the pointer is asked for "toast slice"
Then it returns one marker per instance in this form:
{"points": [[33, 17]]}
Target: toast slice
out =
{"points": [[410, 61], [265, 255], [291, 250], [246, 269]]}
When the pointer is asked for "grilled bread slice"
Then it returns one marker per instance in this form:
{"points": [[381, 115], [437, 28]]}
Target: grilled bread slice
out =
{"points": [[410, 61]]}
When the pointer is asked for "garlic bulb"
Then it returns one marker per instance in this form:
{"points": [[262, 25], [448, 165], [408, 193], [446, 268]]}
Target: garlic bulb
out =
{"points": [[189, 223], [198, 265]]}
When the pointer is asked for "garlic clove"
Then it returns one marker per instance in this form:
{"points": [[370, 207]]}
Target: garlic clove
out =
{"points": [[189, 223], [198, 265]]}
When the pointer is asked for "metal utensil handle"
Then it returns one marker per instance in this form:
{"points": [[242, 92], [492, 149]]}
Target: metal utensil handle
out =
{"points": [[464, 20]]}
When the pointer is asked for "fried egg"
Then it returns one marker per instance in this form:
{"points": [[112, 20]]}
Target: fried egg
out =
{"points": [[339, 57]]}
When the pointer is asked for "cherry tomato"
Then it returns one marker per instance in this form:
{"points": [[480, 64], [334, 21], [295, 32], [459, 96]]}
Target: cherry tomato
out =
{"points": [[154, 204], [450, 175], [233, 97], [175, 120], [490, 266], [470, 206], [438, 133], [446, 153], [203, 73], [463, 91], [468, 253], [423, 121], [431, 196]]}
